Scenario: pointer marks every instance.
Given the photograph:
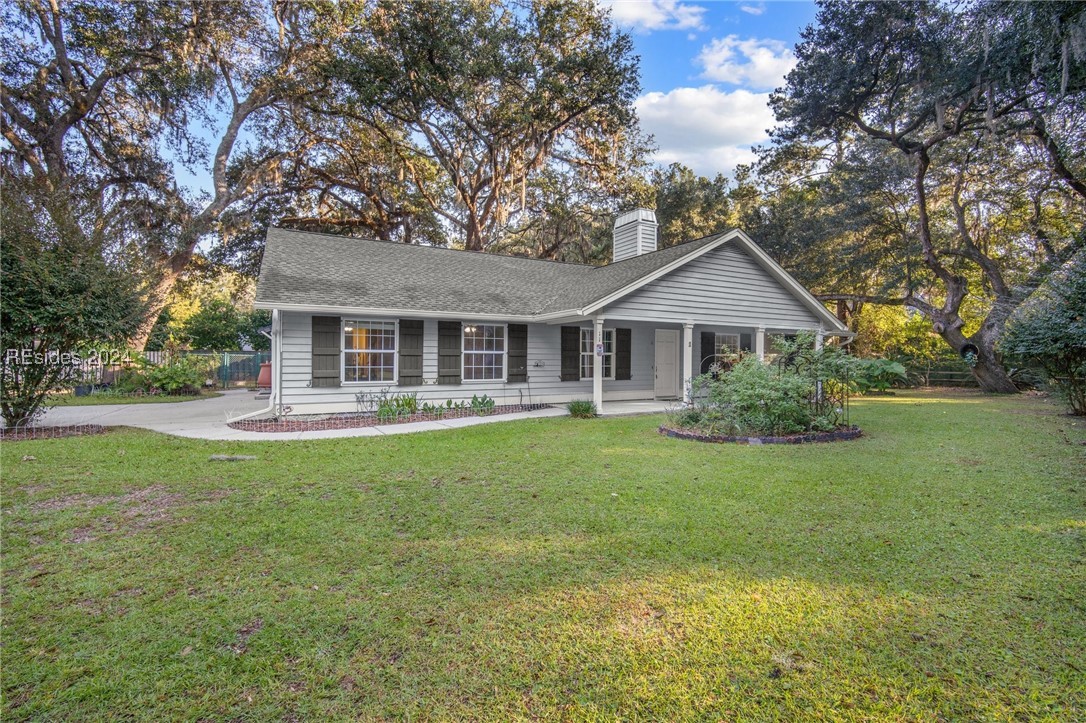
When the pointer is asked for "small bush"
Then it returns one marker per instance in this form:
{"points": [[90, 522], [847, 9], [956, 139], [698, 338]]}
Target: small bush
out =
{"points": [[878, 375], [755, 399], [130, 381], [177, 376], [435, 411], [482, 405], [581, 409]]}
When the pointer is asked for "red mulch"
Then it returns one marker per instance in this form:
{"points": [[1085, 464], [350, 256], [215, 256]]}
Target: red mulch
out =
{"points": [[354, 420], [71, 430]]}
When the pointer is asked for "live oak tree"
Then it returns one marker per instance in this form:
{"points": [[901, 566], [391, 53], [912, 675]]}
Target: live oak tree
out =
{"points": [[690, 206], [117, 103], [493, 94], [957, 96]]}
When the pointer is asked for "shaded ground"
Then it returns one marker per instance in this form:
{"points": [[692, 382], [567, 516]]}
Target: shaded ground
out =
{"points": [[556, 568]]}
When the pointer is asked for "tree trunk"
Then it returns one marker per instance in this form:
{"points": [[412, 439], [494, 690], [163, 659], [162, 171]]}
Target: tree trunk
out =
{"points": [[993, 378], [988, 370], [156, 302]]}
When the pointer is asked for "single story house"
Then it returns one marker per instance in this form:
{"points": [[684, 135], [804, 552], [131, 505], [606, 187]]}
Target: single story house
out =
{"points": [[353, 316]]}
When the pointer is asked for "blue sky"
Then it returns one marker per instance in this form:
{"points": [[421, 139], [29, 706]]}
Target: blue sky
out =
{"points": [[707, 69]]}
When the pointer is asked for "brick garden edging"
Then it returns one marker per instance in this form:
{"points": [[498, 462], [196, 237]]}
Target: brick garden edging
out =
{"points": [[354, 420], [838, 435]]}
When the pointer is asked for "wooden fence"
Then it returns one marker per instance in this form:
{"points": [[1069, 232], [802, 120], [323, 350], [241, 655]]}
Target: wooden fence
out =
{"points": [[941, 374]]}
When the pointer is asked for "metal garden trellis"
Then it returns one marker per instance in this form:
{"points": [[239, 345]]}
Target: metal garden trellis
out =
{"points": [[831, 394]]}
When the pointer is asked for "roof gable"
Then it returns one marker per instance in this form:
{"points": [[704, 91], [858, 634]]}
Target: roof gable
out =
{"points": [[778, 287]]}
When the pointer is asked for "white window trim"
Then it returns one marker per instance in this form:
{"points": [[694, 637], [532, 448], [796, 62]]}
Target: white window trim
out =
{"points": [[343, 354], [464, 352], [613, 354]]}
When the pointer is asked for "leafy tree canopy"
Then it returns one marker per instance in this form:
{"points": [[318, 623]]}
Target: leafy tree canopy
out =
{"points": [[926, 159], [1050, 330], [60, 296]]}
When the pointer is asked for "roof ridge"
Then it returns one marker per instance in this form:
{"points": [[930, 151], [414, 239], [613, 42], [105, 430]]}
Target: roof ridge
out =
{"points": [[668, 248], [436, 248]]}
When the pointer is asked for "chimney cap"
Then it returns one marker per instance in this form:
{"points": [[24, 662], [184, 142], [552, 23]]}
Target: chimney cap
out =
{"points": [[643, 215]]}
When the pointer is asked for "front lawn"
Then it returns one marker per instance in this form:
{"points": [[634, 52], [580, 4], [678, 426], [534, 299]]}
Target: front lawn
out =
{"points": [[93, 399], [557, 568]]}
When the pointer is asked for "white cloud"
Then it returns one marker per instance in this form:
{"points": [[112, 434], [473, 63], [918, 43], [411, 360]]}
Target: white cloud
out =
{"points": [[753, 9], [705, 128], [656, 15], [754, 62]]}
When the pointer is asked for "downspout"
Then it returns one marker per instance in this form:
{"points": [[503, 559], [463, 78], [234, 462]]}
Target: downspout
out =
{"points": [[276, 337], [277, 365]]}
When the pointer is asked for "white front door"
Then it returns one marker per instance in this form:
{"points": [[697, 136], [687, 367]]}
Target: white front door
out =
{"points": [[666, 385]]}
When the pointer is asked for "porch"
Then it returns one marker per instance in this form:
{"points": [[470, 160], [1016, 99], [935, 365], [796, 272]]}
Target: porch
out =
{"points": [[671, 355]]}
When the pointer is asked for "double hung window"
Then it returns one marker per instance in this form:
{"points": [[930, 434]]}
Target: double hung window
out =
{"points": [[484, 352], [588, 351], [369, 351]]}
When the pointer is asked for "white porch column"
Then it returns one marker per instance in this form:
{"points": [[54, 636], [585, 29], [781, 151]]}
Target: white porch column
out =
{"points": [[597, 367], [820, 338], [759, 343], [688, 359]]}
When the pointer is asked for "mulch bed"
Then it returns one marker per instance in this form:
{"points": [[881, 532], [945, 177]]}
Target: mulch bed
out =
{"points": [[70, 430], [838, 435], [355, 420]]}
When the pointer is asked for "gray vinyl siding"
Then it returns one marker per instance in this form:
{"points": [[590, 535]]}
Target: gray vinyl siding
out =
{"points": [[544, 367], [725, 287]]}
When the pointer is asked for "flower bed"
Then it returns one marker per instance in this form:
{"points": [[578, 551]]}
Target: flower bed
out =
{"points": [[13, 434], [354, 420], [837, 435]]}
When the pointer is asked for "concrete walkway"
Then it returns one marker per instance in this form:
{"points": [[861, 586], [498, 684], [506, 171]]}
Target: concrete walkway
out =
{"points": [[640, 406], [206, 419]]}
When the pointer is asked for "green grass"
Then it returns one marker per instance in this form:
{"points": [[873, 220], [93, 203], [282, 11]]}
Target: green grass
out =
{"points": [[93, 400], [556, 569]]}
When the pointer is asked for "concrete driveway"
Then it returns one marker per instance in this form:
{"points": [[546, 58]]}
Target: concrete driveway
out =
{"points": [[206, 419], [186, 419]]}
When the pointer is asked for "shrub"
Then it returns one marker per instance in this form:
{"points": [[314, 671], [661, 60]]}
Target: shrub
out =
{"points": [[581, 409], [61, 294], [877, 374], [757, 399], [1049, 330], [178, 375], [130, 381]]}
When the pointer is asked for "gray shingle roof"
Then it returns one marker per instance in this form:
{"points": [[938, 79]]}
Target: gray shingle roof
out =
{"points": [[324, 270]]}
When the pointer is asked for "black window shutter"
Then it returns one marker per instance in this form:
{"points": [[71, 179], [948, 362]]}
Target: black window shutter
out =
{"points": [[571, 353], [326, 350], [708, 350], [448, 352], [518, 353], [623, 349], [744, 343], [410, 352]]}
